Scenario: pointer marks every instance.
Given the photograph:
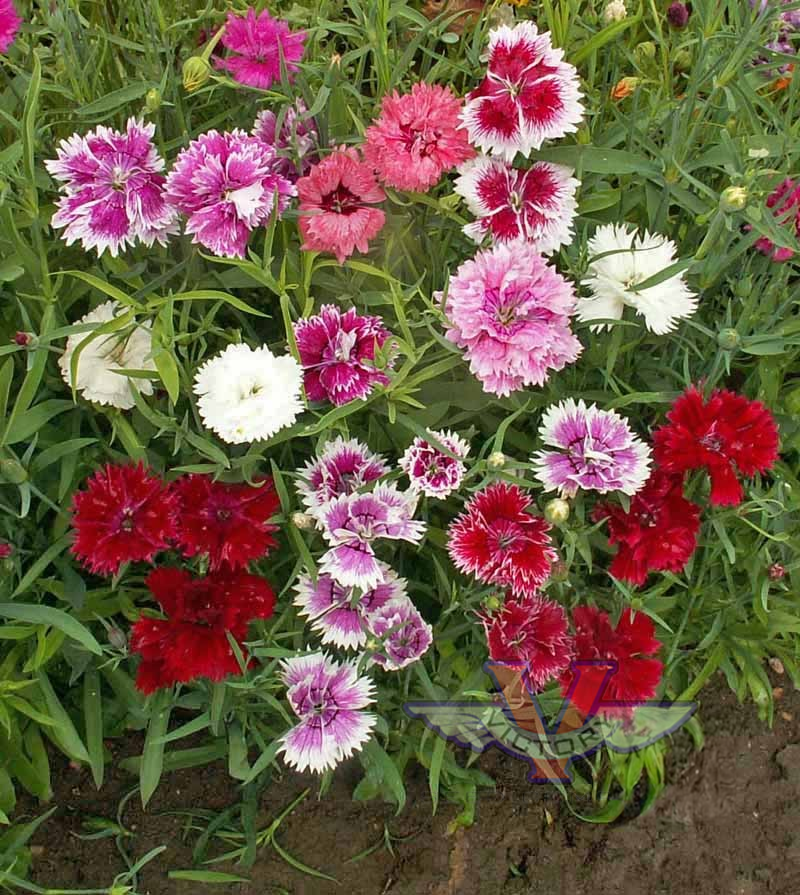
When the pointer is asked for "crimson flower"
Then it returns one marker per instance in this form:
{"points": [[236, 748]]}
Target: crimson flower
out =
{"points": [[499, 542], [192, 641], [227, 522], [631, 645], [125, 514], [657, 534], [533, 632], [724, 435]]}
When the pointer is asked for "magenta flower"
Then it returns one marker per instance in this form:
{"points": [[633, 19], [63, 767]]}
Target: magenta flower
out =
{"points": [[353, 522], [430, 470], [511, 311], [336, 199], [417, 138], [226, 184], [295, 143], [784, 201], [529, 94], [258, 44], [337, 614], [403, 633], [9, 24], [343, 467], [329, 699], [537, 204], [596, 451], [113, 189], [337, 352]]}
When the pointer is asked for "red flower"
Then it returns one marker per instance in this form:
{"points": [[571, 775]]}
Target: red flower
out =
{"points": [[629, 645], [226, 522], [724, 435], [530, 631], [124, 515], [192, 642], [499, 542], [6, 550], [658, 533]]}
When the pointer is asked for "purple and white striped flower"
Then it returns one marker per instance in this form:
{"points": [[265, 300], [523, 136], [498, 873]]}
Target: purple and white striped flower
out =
{"points": [[329, 699], [404, 634], [296, 141], [339, 614], [596, 451], [113, 189], [353, 522], [343, 467], [431, 471]]}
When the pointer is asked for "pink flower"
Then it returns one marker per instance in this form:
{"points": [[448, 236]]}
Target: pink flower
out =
{"points": [[9, 24], [537, 204], [226, 184], [294, 143], [785, 202], [511, 311], [404, 634], [259, 44], [113, 189], [430, 470], [417, 138], [337, 352], [335, 200], [529, 94]]}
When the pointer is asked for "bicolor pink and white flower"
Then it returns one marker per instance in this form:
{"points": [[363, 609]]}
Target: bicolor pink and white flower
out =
{"points": [[537, 204], [510, 311], [227, 185], [529, 94], [353, 522], [294, 144], [417, 138], [343, 467], [339, 614], [113, 189], [259, 45], [329, 698], [10, 21], [595, 451], [403, 633], [430, 470], [337, 351]]}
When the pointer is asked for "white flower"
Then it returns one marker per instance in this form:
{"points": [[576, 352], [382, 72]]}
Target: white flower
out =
{"points": [[613, 279], [102, 361], [248, 394], [615, 11]]}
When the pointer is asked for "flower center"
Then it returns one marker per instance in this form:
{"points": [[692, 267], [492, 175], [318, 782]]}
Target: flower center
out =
{"points": [[223, 515], [341, 201]]}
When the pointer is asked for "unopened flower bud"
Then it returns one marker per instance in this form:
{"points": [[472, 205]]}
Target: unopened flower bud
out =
{"points": [[645, 52], [728, 339], [556, 511], [776, 571], [678, 15], [24, 340], [682, 60], [152, 101], [304, 521], [615, 11], [13, 472], [6, 550], [196, 72], [733, 198], [624, 87], [496, 460], [493, 603], [559, 571], [117, 638]]}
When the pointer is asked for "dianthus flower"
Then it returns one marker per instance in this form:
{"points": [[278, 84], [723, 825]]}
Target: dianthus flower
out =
{"points": [[259, 45], [784, 201], [294, 144], [9, 24], [430, 470], [403, 633]]}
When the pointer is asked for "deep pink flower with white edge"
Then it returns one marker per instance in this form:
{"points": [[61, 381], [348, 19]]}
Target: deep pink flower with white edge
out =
{"points": [[336, 205], [258, 44], [417, 138], [537, 204], [113, 189], [338, 614], [337, 351], [403, 633], [328, 698], [226, 184], [10, 21], [595, 451], [431, 471], [510, 311], [294, 143], [353, 522], [343, 467], [529, 94]]}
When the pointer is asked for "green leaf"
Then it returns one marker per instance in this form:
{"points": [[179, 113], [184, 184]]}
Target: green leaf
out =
{"points": [[115, 100], [93, 719], [206, 876], [63, 732], [152, 763], [47, 615]]}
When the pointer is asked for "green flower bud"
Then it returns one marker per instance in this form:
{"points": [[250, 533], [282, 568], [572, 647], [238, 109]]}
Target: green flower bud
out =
{"points": [[645, 52], [152, 101], [493, 603], [196, 72], [304, 521], [12, 472], [733, 198], [496, 460], [728, 339], [556, 511], [682, 60]]}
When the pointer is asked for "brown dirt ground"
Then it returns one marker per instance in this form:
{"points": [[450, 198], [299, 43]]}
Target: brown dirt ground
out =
{"points": [[727, 824]]}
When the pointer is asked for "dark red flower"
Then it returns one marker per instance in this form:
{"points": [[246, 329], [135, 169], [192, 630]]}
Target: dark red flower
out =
{"points": [[192, 641], [229, 523], [657, 534], [124, 515], [533, 632], [499, 542], [630, 645], [725, 435], [678, 15]]}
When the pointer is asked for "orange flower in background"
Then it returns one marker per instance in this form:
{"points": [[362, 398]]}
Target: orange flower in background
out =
{"points": [[783, 83], [624, 87]]}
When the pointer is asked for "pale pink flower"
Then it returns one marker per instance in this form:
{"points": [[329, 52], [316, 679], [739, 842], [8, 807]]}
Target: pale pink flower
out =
{"points": [[430, 470], [258, 43]]}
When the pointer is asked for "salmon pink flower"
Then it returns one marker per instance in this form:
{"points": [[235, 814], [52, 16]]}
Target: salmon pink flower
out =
{"points": [[9, 24], [259, 45], [336, 199], [430, 470]]}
